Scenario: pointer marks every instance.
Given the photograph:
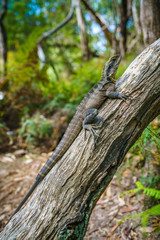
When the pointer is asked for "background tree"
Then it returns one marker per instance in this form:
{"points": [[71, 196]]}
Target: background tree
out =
{"points": [[86, 52], [3, 37], [150, 20], [124, 13]]}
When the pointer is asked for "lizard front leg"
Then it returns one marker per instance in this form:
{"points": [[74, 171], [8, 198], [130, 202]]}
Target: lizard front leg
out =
{"points": [[91, 122], [116, 95]]}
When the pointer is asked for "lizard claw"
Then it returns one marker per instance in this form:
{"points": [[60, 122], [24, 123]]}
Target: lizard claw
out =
{"points": [[123, 97], [95, 137]]}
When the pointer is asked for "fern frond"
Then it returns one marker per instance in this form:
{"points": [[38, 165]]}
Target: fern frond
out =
{"points": [[130, 191], [154, 211], [152, 192], [148, 191]]}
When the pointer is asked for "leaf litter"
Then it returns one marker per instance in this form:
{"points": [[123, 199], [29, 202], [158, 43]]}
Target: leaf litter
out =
{"points": [[19, 169]]}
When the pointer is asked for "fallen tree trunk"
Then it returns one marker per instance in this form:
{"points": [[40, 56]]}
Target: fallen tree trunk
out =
{"points": [[61, 206]]}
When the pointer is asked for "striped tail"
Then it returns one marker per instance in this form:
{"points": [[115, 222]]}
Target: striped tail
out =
{"points": [[69, 136], [52, 160]]}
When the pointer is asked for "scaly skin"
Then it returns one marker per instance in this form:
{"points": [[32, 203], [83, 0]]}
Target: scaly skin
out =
{"points": [[85, 114]]}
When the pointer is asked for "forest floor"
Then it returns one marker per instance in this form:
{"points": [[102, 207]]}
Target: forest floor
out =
{"points": [[19, 169]]}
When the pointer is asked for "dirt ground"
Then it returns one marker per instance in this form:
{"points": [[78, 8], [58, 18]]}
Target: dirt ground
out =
{"points": [[19, 169]]}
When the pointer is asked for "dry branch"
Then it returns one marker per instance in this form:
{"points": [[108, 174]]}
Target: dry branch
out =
{"points": [[61, 206], [60, 25], [46, 35], [100, 20]]}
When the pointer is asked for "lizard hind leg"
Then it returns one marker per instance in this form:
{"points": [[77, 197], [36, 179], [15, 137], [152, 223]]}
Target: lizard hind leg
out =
{"points": [[91, 122]]}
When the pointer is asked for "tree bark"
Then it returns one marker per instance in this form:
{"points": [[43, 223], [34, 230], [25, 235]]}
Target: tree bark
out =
{"points": [[150, 20], [3, 38], [61, 206]]}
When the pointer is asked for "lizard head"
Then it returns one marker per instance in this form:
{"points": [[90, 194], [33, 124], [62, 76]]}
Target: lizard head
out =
{"points": [[111, 66]]}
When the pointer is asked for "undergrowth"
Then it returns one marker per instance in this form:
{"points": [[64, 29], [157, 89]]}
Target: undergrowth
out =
{"points": [[147, 148], [147, 214], [35, 129]]}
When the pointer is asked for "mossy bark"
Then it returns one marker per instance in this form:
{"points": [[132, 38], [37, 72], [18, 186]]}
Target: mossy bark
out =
{"points": [[61, 205]]}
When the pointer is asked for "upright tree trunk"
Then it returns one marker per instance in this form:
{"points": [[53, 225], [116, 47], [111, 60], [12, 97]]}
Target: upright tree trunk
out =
{"points": [[150, 20], [61, 206], [3, 38], [137, 25], [125, 9], [86, 53], [136, 20]]}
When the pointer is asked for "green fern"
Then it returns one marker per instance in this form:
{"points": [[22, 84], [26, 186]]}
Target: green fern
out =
{"points": [[145, 215], [153, 211], [130, 191], [147, 191], [152, 192]]}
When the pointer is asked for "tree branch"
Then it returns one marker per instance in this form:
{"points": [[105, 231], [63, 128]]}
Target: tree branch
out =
{"points": [[100, 20], [61, 206], [46, 35], [65, 21]]}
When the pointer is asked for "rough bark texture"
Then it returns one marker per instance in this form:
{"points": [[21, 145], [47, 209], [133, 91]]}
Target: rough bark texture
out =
{"points": [[150, 20], [61, 206]]}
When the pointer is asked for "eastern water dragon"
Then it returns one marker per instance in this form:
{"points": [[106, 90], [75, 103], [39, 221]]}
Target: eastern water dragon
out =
{"points": [[85, 115]]}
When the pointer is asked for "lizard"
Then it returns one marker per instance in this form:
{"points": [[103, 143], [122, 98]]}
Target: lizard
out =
{"points": [[85, 115]]}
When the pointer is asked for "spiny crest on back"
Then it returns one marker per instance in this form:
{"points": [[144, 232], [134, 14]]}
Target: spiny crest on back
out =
{"points": [[111, 66]]}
